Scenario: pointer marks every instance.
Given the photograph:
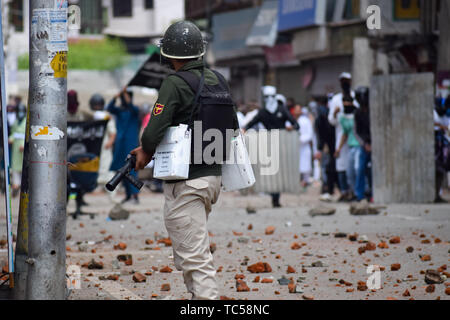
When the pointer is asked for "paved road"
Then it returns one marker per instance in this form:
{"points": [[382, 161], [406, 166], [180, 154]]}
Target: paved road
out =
{"points": [[238, 247]]}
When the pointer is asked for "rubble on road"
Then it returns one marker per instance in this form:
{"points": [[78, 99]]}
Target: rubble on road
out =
{"points": [[433, 277], [139, 277], [363, 208], [322, 210], [260, 267], [118, 213]]}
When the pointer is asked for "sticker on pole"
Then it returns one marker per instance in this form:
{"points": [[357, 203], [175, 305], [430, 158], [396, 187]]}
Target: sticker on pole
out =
{"points": [[46, 133], [50, 25], [59, 64]]}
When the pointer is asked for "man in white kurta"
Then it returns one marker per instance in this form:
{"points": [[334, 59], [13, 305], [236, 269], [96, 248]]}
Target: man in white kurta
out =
{"points": [[336, 107], [306, 138]]}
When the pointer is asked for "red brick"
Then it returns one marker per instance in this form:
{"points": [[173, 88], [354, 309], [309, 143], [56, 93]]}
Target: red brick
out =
{"points": [[139, 277], [270, 230], [166, 269]]}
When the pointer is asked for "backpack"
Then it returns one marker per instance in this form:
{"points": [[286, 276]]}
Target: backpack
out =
{"points": [[214, 107]]}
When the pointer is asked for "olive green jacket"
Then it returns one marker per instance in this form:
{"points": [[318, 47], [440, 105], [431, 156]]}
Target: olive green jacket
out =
{"points": [[174, 107]]}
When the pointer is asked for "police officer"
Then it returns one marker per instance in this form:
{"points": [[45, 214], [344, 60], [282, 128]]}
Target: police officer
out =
{"points": [[188, 202]]}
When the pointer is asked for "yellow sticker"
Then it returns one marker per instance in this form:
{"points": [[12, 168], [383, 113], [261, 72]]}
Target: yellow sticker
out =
{"points": [[59, 64]]}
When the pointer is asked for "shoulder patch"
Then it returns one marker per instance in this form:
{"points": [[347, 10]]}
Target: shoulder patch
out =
{"points": [[158, 109]]}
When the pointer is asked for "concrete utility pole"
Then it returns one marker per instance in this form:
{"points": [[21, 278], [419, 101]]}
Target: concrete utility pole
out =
{"points": [[444, 43], [47, 165]]}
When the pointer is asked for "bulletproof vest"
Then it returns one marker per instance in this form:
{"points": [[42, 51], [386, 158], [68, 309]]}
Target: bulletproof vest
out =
{"points": [[214, 108]]}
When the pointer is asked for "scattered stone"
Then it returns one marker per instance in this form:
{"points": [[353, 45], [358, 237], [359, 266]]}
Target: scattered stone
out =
{"points": [[120, 246], [139, 277], [317, 264], [260, 267], [251, 210], [126, 258], [166, 269], [212, 247], [394, 240], [241, 286], [113, 277], [362, 286], [256, 280], [447, 291], [361, 250], [395, 266], [243, 240], [166, 241], [363, 238], [283, 281], [370, 246], [266, 280], [430, 288], [305, 297], [95, 265], [290, 270], [115, 264], [433, 277], [426, 257], [340, 235], [165, 287], [383, 245], [306, 225], [353, 237], [250, 227], [118, 213], [406, 293], [409, 249], [363, 208], [295, 246], [322, 211], [149, 241], [270, 230]]}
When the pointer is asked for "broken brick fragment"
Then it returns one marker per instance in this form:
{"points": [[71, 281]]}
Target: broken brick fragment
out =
{"points": [[290, 270], [113, 277], [241, 286], [370, 246], [166, 269], [406, 293], [266, 280], [239, 276], [256, 280], [349, 290], [165, 287], [430, 288], [394, 240], [361, 250], [166, 241], [292, 287], [139, 277], [212, 247], [395, 266], [250, 227], [362, 286], [447, 291], [120, 246], [237, 233], [437, 240], [409, 249], [260, 267], [270, 230], [426, 257], [148, 241], [383, 245], [305, 297], [295, 246]]}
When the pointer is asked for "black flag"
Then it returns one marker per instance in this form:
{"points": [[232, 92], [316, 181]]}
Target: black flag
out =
{"points": [[152, 73]]}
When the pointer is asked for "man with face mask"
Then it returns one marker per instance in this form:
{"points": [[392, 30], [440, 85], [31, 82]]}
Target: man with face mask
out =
{"points": [[273, 116], [127, 137], [17, 139], [344, 99]]}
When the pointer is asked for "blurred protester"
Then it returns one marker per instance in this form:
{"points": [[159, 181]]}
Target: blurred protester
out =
{"points": [[442, 145], [273, 116], [97, 105], [73, 113], [17, 139], [326, 146], [306, 138], [347, 122], [290, 105], [362, 130], [252, 111], [127, 124], [337, 103]]}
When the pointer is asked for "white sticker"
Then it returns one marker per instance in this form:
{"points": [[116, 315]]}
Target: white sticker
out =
{"points": [[50, 25], [46, 133]]}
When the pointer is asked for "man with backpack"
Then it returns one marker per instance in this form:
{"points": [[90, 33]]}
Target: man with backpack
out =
{"points": [[193, 93]]}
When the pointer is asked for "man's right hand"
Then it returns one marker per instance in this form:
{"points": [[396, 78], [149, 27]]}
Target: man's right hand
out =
{"points": [[142, 158]]}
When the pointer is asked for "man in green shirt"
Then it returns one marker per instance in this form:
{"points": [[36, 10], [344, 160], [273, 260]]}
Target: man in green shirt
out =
{"points": [[347, 121], [188, 202]]}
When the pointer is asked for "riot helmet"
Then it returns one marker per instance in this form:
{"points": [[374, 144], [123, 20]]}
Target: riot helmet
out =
{"points": [[97, 102], [183, 40]]}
